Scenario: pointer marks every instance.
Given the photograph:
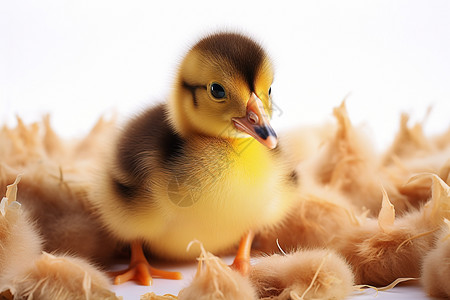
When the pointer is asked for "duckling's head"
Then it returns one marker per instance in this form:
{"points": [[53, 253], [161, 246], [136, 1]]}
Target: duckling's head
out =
{"points": [[223, 89]]}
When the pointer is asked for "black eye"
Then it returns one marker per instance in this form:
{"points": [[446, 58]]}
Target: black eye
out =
{"points": [[270, 91], [217, 91]]}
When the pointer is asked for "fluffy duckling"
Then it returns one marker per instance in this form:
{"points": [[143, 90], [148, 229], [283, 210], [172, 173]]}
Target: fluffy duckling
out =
{"points": [[191, 168]]}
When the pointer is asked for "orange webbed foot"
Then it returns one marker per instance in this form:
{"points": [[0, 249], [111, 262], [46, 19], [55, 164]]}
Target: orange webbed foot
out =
{"points": [[241, 262], [241, 265], [140, 270]]}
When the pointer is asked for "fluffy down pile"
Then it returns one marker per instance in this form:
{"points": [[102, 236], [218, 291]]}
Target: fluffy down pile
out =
{"points": [[361, 218]]}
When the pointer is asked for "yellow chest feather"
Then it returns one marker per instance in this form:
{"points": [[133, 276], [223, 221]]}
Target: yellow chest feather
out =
{"points": [[215, 198]]}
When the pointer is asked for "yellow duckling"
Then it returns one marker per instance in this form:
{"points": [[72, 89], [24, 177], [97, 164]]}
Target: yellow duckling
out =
{"points": [[191, 168]]}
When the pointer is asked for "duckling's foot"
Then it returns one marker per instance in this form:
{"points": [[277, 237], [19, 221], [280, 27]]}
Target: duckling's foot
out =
{"points": [[241, 262], [241, 265], [143, 274], [140, 270]]}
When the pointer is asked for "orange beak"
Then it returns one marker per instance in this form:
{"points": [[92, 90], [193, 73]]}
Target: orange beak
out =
{"points": [[256, 123]]}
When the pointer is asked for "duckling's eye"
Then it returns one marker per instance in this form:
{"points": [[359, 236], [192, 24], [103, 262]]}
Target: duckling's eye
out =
{"points": [[270, 91], [217, 91]]}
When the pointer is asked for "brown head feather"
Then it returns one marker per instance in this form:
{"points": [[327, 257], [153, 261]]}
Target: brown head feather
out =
{"points": [[244, 54]]}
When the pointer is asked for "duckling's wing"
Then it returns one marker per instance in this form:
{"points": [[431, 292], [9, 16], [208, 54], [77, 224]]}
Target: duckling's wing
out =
{"points": [[146, 145]]}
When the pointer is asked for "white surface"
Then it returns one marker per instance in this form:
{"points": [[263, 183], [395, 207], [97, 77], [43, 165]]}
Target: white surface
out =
{"points": [[80, 59], [131, 291], [397, 293]]}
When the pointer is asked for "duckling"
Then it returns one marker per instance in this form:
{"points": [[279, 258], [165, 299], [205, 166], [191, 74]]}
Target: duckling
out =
{"points": [[204, 165]]}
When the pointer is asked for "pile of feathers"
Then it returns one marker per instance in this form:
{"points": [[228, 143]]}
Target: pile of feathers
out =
{"points": [[361, 218]]}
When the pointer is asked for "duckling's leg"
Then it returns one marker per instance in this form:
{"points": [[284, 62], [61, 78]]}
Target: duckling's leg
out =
{"points": [[140, 270], [241, 262]]}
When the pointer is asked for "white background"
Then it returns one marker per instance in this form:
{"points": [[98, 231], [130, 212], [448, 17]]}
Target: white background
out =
{"points": [[80, 59]]}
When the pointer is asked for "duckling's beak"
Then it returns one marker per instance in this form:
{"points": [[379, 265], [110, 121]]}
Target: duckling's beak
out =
{"points": [[256, 123]]}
